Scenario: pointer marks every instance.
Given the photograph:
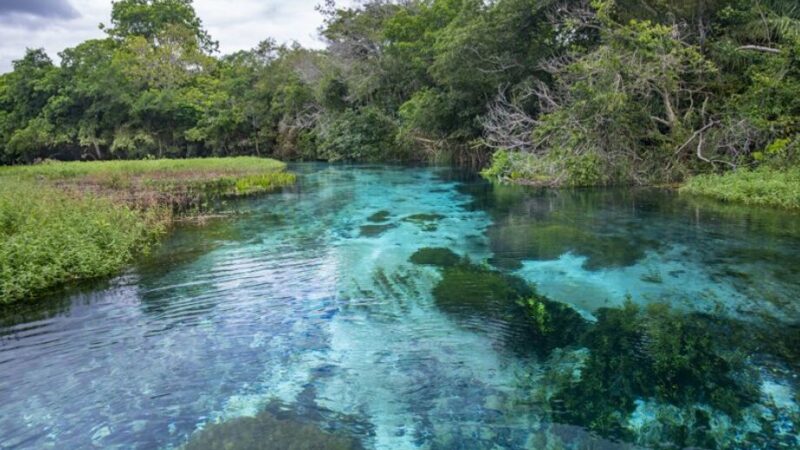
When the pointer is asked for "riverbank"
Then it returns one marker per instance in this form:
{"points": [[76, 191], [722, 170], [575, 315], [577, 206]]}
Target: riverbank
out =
{"points": [[762, 187], [759, 187], [64, 222]]}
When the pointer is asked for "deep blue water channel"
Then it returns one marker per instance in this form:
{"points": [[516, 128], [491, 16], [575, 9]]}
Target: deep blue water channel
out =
{"points": [[669, 322]]}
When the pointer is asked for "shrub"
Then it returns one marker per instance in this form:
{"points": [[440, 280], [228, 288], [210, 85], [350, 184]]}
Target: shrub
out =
{"points": [[358, 135], [763, 186], [53, 237], [62, 222]]}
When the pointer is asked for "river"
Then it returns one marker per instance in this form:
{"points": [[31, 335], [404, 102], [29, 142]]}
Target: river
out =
{"points": [[306, 317]]}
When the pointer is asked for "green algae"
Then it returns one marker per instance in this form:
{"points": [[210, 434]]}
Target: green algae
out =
{"points": [[426, 221], [270, 430], [430, 256], [376, 230], [380, 216], [424, 217]]}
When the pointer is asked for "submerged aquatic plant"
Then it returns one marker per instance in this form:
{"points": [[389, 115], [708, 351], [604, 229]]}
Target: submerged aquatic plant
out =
{"points": [[654, 353], [380, 216], [469, 288], [690, 362], [514, 243], [270, 430], [533, 321], [441, 257], [375, 230], [426, 221]]}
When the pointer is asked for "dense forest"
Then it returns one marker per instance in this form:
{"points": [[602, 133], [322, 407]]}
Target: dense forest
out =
{"points": [[558, 92]]}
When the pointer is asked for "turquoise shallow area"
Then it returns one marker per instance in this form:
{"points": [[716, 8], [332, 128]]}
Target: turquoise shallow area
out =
{"points": [[304, 309]]}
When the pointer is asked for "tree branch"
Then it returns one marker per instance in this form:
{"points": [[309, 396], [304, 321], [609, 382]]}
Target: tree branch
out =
{"points": [[759, 48]]}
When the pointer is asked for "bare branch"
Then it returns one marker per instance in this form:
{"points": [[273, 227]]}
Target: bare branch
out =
{"points": [[759, 48]]}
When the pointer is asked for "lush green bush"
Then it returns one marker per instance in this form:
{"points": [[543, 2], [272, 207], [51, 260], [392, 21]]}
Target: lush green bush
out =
{"points": [[364, 135], [763, 186], [50, 237]]}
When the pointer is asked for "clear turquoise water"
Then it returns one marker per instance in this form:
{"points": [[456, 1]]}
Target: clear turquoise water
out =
{"points": [[293, 308]]}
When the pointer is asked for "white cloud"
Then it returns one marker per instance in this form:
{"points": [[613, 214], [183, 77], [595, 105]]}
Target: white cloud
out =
{"points": [[236, 24]]}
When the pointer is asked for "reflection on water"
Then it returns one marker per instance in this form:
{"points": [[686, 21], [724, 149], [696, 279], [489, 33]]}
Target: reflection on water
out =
{"points": [[392, 308]]}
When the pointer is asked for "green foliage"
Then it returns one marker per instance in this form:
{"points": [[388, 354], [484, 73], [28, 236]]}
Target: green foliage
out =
{"points": [[85, 220], [764, 186], [149, 18], [53, 237], [501, 166], [364, 135], [568, 94]]}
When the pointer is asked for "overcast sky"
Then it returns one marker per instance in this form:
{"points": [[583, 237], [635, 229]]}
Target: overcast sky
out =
{"points": [[236, 24]]}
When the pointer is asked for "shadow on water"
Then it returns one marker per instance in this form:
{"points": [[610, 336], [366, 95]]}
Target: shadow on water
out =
{"points": [[56, 302]]}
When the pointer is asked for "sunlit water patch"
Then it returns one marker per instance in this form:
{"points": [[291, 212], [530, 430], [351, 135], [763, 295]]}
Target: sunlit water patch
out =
{"points": [[390, 308]]}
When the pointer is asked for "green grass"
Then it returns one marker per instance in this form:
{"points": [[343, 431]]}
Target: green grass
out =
{"points": [[64, 222], [127, 169], [765, 187]]}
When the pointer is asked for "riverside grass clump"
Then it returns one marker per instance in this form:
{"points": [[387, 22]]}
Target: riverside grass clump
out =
{"points": [[764, 186], [64, 222]]}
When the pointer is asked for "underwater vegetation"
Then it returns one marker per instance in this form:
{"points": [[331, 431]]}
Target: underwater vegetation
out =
{"points": [[535, 322], [514, 243], [376, 230], [691, 365], [426, 221], [271, 429], [653, 353], [440, 257], [380, 216], [470, 288]]}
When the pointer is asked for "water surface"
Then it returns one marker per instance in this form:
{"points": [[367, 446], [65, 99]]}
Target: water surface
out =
{"points": [[303, 319]]}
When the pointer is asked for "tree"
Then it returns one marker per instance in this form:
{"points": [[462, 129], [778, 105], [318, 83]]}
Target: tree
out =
{"points": [[150, 19]]}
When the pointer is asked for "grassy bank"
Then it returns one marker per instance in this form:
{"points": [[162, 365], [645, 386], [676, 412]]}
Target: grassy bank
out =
{"points": [[62, 222], [766, 187]]}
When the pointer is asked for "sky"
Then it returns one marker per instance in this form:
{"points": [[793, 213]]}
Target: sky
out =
{"points": [[236, 24]]}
